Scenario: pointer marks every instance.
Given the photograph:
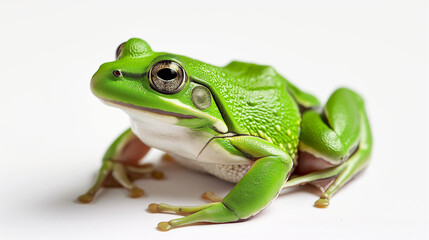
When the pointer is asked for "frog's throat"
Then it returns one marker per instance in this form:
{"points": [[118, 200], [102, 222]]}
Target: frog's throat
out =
{"points": [[152, 110]]}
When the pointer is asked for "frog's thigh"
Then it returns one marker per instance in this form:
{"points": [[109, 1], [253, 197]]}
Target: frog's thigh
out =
{"points": [[340, 131], [333, 134], [258, 187]]}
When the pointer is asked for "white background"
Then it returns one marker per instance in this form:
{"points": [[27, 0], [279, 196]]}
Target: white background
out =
{"points": [[54, 131]]}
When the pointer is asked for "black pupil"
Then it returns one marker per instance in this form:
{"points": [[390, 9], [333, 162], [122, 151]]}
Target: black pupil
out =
{"points": [[167, 74]]}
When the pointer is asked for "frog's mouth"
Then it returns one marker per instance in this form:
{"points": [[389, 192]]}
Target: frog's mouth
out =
{"points": [[146, 109], [196, 120]]}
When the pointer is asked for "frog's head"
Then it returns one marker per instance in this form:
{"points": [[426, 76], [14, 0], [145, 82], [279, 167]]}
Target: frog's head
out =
{"points": [[156, 85]]}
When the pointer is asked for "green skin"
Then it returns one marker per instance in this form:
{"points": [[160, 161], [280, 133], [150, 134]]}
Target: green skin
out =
{"points": [[269, 121]]}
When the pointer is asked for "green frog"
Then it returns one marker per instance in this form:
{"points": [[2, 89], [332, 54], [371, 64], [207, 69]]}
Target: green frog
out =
{"points": [[243, 123]]}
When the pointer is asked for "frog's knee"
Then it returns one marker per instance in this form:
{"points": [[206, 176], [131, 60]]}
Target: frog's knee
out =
{"points": [[344, 92]]}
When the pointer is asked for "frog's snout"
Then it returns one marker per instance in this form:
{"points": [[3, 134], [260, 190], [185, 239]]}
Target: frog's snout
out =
{"points": [[108, 72], [103, 79]]}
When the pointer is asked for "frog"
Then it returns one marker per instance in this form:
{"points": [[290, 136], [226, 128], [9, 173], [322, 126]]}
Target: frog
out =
{"points": [[243, 123]]}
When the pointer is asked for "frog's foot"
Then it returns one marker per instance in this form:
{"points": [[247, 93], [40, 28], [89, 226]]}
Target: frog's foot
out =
{"points": [[212, 212], [211, 197], [144, 170], [162, 207], [330, 180], [116, 174]]}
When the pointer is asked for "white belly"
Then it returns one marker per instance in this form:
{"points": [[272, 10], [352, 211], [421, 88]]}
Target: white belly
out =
{"points": [[190, 148], [231, 172]]}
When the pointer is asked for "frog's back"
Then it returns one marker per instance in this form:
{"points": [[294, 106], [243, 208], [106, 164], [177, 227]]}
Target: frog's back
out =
{"points": [[262, 106], [253, 99]]}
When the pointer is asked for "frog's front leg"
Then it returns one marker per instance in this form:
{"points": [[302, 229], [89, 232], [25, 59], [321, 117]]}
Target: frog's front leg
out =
{"points": [[120, 166], [258, 187], [337, 141]]}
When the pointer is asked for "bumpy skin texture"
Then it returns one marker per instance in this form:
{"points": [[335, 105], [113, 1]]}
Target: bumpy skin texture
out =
{"points": [[254, 101], [255, 115]]}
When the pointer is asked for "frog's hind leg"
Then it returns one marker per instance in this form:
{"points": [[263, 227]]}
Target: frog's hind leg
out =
{"points": [[257, 188], [335, 145]]}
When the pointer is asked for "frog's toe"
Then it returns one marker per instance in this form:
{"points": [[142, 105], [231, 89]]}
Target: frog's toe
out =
{"points": [[153, 208], [136, 192], [322, 203], [164, 226], [145, 169], [167, 157], [210, 196], [162, 207], [157, 175], [85, 198]]}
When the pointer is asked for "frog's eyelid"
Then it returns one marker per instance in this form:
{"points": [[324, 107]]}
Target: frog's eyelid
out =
{"points": [[119, 50]]}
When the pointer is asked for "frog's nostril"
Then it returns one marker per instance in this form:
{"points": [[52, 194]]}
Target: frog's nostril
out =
{"points": [[117, 73]]}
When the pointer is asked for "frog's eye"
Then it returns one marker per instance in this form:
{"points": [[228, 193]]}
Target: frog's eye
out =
{"points": [[119, 50], [167, 77]]}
